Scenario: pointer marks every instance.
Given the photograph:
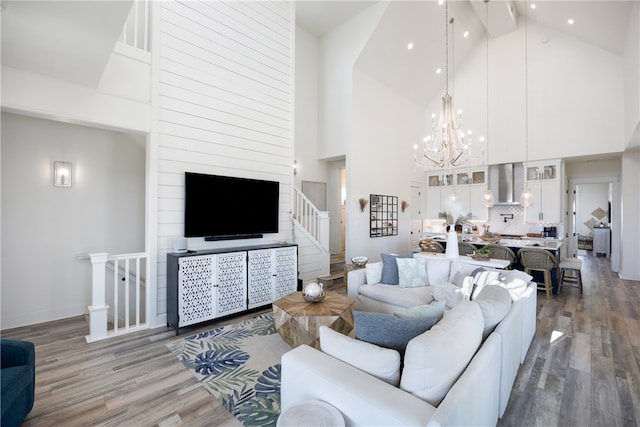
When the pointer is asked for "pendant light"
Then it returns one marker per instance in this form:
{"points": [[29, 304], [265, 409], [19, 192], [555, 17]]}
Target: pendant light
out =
{"points": [[526, 198], [487, 200]]}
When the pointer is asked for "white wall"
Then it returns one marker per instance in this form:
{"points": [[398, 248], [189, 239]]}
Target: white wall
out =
{"points": [[630, 232], [225, 107], [590, 197], [306, 110], [575, 96], [379, 161], [45, 97], [339, 50], [632, 76], [44, 227]]}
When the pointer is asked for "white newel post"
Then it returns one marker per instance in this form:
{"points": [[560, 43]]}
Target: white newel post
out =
{"points": [[98, 308], [323, 229]]}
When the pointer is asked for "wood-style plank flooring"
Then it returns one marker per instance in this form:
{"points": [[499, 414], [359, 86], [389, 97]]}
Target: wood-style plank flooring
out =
{"points": [[583, 368]]}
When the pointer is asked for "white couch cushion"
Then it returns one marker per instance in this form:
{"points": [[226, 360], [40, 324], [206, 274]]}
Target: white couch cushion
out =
{"points": [[437, 270], [373, 272], [434, 360], [403, 297], [382, 363], [411, 272], [495, 303], [450, 294], [435, 310]]}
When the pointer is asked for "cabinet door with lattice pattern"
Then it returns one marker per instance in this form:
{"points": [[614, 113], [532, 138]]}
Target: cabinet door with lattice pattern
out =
{"points": [[261, 277], [230, 283], [286, 271], [195, 290]]}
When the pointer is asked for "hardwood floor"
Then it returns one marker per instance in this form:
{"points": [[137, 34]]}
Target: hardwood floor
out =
{"points": [[583, 368]]}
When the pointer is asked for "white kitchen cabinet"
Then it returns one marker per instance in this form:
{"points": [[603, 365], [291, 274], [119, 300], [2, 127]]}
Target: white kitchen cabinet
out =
{"points": [[544, 180], [468, 185]]}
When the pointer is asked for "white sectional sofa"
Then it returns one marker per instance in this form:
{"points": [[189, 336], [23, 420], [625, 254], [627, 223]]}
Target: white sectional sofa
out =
{"points": [[482, 383]]}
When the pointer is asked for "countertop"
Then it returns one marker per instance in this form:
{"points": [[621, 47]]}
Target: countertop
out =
{"points": [[524, 242]]}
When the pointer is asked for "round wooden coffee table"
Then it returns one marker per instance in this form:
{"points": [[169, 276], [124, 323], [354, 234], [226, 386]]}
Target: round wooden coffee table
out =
{"points": [[299, 321]]}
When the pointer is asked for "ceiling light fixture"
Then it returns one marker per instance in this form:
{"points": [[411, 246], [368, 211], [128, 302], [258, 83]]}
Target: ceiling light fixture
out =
{"points": [[410, 46], [447, 145], [570, 21], [526, 198], [533, 6], [466, 34]]}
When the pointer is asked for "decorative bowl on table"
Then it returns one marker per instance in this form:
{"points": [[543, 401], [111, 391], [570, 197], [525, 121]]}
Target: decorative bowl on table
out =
{"points": [[490, 237], [359, 261], [313, 292]]}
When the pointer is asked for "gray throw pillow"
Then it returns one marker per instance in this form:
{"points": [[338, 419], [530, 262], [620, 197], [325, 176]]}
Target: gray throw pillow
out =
{"points": [[390, 268], [389, 331]]}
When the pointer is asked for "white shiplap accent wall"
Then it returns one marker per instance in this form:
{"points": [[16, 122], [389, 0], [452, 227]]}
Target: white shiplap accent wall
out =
{"points": [[225, 97]]}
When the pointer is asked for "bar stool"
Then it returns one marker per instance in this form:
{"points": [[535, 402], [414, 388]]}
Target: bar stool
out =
{"points": [[573, 265], [502, 252], [465, 248], [539, 260]]}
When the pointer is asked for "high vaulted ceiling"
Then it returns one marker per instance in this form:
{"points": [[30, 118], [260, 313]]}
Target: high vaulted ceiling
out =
{"points": [[603, 24]]}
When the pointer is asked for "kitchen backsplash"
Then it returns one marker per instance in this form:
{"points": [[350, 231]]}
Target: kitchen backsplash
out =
{"points": [[517, 225]]}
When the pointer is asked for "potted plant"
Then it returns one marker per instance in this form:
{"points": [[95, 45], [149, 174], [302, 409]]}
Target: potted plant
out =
{"points": [[482, 253]]}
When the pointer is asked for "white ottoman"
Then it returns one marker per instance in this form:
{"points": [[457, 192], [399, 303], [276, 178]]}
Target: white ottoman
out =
{"points": [[311, 413]]}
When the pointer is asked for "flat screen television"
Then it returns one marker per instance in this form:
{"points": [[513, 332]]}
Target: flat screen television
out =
{"points": [[223, 207]]}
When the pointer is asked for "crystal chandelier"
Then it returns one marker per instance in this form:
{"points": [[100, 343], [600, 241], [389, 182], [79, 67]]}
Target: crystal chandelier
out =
{"points": [[447, 145]]}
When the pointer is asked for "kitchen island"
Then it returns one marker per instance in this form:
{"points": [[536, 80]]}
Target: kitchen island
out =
{"points": [[551, 245]]}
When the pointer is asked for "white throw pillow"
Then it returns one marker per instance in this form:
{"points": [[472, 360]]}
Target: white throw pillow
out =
{"points": [[434, 310], [516, 287], [382, 363], [467, 288], [373, 271], [411, 274], [516, 274], [434, 360], [437, 270]]}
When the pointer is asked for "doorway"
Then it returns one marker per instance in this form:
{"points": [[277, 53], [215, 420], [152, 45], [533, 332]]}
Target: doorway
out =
{"points": [[593, 205]]}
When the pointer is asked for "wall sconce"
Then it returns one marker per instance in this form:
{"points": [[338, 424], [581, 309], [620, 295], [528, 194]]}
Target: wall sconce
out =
{"points": [[363, 204], [404, 205], [295, 167], [62, 174]]}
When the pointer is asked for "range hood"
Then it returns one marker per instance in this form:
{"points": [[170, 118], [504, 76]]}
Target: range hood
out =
{"points": [[506, 186]]}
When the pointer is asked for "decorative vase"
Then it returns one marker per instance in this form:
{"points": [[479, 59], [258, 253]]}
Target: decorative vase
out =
{"points": [[452, 244]]}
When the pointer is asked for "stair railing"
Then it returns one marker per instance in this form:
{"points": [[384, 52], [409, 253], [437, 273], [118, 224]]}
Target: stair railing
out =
{"points": [[127, 293], [136, 30], [312, 220]]}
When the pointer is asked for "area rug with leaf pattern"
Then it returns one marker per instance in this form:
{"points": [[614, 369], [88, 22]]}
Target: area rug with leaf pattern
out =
{"points": [[240, 365]]}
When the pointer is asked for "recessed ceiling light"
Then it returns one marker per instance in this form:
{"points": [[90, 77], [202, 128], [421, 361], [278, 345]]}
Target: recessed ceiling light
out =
{"points": [[440, 2], [438, 71], [570, 21], [533, 6], [466, 34], [410, 45]]}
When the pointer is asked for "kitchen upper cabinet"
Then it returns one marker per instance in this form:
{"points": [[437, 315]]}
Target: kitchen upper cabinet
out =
{"points": [[468, 186], [544, 180]]}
